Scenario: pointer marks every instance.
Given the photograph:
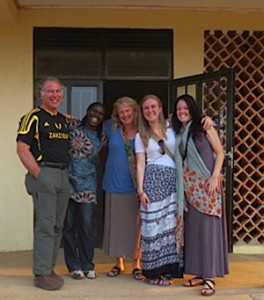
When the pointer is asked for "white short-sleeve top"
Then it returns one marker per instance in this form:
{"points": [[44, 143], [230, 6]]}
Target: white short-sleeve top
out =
{"points": [[153, 149]]}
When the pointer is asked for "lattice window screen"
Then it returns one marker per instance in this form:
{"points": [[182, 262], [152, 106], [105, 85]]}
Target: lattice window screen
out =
{"points": [[245, 53]]}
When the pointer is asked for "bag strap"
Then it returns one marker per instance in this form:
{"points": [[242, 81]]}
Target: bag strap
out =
{"points": [[166, 149], [131, 158]]}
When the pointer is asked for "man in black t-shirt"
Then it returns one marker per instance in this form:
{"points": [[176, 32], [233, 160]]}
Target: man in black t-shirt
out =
{"points": [[42, 146]]}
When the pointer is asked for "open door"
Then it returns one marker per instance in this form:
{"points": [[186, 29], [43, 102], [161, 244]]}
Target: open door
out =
{"points": [[214, 93]]}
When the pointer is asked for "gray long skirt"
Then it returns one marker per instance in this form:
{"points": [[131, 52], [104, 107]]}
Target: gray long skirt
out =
{"points": [[122, 226], [206, 252]]}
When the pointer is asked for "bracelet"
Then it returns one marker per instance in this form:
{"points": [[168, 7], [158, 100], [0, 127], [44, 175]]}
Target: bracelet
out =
{"points": [[139, 195]]}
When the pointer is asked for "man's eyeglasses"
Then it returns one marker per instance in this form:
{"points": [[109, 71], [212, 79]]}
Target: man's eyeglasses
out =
{"points": [[58, 91], [161, 149]]}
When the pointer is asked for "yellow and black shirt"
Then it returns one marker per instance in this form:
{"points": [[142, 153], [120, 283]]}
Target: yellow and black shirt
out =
{"points": [[46, 134]]}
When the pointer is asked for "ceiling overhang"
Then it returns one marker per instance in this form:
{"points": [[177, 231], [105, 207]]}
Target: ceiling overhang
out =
{"points": [[207, 5], [9, 8]]}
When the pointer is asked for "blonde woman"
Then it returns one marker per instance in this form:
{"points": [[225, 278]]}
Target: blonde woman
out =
{"points": [[156, 176], [121, 230]]}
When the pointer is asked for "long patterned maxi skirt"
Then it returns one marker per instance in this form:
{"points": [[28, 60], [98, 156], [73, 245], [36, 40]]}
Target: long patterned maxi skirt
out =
{"points": [[158, 224]]}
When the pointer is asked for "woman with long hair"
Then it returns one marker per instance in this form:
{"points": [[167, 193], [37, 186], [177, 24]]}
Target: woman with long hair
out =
{"points": [[199, 159], [162, 256], [121, 228]]}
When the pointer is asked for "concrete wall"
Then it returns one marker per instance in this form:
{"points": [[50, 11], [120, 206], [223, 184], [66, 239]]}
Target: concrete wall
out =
{"points": [[16, 83]]}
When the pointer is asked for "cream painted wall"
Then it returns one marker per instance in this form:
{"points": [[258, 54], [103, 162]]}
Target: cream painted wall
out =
{"points": [[16, 98], [16, 211]]}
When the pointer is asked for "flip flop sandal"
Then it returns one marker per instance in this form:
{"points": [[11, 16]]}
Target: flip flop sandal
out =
{"points": [[209, 288], [161, 281], [195, 281], [115, 271], [137, 274]]}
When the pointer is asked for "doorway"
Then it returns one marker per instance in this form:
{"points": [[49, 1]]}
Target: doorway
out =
{"points": [[112, 90], [103, 64]]}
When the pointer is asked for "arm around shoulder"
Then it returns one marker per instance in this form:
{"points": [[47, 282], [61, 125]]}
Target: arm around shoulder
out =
{"points": [[207, 123]]}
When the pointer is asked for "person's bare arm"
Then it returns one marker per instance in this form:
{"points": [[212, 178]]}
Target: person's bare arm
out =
{"points": [[207, 123], [214, 140], [28, 160], [141, 161]]}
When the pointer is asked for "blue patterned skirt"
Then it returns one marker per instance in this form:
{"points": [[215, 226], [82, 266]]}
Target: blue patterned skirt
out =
{"points": [[158, 224]]}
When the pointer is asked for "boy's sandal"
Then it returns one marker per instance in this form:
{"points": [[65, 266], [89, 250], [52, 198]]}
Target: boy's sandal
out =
{"points": [[90, 274], [77, 274], [137, 274], [115, 271], [161, 281], [194, 282], [209, 287]]}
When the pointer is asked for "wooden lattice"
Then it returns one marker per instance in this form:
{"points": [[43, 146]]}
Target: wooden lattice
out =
{"points": [[244, 52]]}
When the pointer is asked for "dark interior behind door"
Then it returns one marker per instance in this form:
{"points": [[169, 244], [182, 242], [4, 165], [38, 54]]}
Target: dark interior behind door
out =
{"points": [[136, 90]]}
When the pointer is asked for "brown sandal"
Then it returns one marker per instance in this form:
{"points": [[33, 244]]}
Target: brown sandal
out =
{"points": [[137, 274], [115, 271]]}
